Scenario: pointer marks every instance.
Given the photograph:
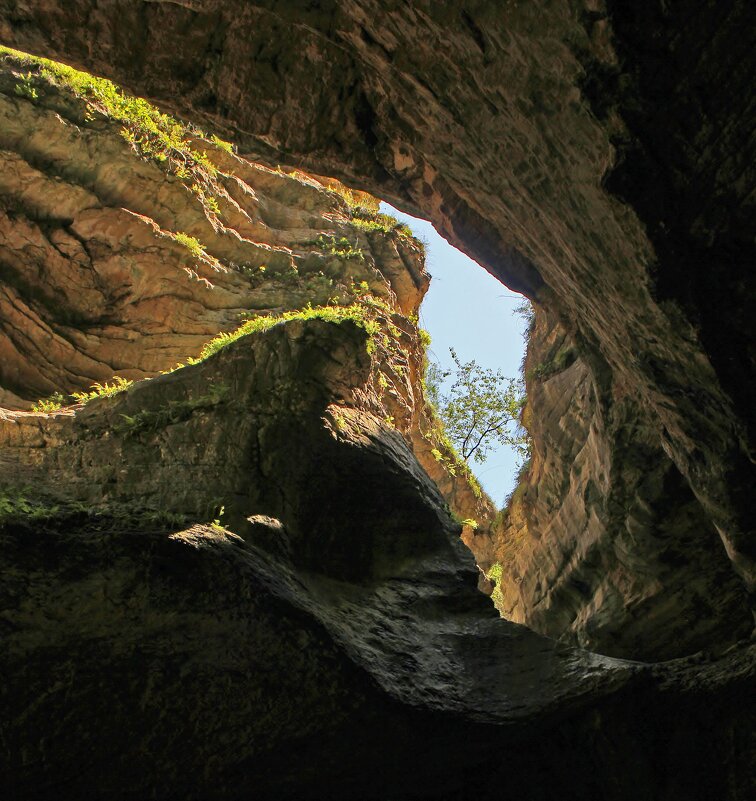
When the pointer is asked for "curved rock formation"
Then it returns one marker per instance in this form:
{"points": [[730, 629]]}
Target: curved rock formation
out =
{"points": [[598, 159], [530, 137], [334, 624]]}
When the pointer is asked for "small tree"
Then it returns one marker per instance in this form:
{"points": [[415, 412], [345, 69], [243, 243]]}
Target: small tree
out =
{"points": [[481, 408]]}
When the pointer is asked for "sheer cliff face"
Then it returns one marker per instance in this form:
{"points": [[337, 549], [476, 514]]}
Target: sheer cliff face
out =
{"points": [[603, 544]]}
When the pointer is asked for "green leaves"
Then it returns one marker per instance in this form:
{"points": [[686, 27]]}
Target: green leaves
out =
{"points": [[482, 408]]}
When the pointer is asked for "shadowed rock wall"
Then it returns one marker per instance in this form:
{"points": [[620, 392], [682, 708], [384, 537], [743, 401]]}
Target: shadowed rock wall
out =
{"points": [[599, 160], [328, 632], [540, 140], [602, 543]]}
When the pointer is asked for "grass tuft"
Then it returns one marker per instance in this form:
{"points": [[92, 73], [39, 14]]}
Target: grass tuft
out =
{"points": [[106, 390]]}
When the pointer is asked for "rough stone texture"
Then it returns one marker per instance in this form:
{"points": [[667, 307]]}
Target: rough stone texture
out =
{"points": [[600, 159], [94, 282], [540, 139], [329, 642], [603, 544]]}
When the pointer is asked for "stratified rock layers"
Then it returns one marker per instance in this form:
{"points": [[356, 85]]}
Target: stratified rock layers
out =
{"points": [[599, 159], [542, 140], [331, 632], [97, 275]]}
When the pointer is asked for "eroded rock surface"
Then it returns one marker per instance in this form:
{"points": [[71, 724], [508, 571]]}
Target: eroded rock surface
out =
{"points": [[603, 544], [96, 278], [598, 158], [538, 138], [333, 614]]}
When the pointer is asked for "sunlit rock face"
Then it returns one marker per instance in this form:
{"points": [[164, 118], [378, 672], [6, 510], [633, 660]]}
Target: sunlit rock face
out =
{"points": [[328, 643], [99, 276], [586, 155]]}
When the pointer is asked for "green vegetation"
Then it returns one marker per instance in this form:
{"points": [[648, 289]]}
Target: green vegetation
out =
{"points": [[106, 390], [445, 452], [526, 312], [561, 360], [55, 402], [520, 487], [197, 249], [358, 313], [22, 507], [152, 134], [217, 524], [193, 245], [14, 507], [58, 400], [222, 144], [360, 202], [26, 87], [481, 408], [384, 223], [494, 575], [340, 247], [175, 411]]}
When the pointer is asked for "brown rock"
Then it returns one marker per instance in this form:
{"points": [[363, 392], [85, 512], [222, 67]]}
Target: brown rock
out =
{"points": [[599, 159]]}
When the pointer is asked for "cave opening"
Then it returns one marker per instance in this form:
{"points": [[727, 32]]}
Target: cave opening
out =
{"points": [[468, 311], [205, 652]]}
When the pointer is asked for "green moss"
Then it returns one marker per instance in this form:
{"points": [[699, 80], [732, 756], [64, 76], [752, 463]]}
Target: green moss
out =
{"points": [[561, 360], [23, 507], [368, 220], [222, 144], [443, 451], [358, 202], [153, 135], [358, 313], [521, 484], [193, 245], [494, 575]]}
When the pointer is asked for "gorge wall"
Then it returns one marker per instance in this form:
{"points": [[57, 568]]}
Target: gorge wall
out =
{"points": [[541, 141], [603, 544], [598, 159]]}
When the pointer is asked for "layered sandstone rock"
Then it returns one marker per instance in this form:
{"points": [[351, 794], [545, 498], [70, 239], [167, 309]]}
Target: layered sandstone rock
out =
{"points": [[113, 264], [595, 157], [325, 628], [598, 158]]}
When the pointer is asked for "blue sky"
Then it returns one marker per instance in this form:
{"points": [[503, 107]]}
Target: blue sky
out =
{"points": [[469, 310]]}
